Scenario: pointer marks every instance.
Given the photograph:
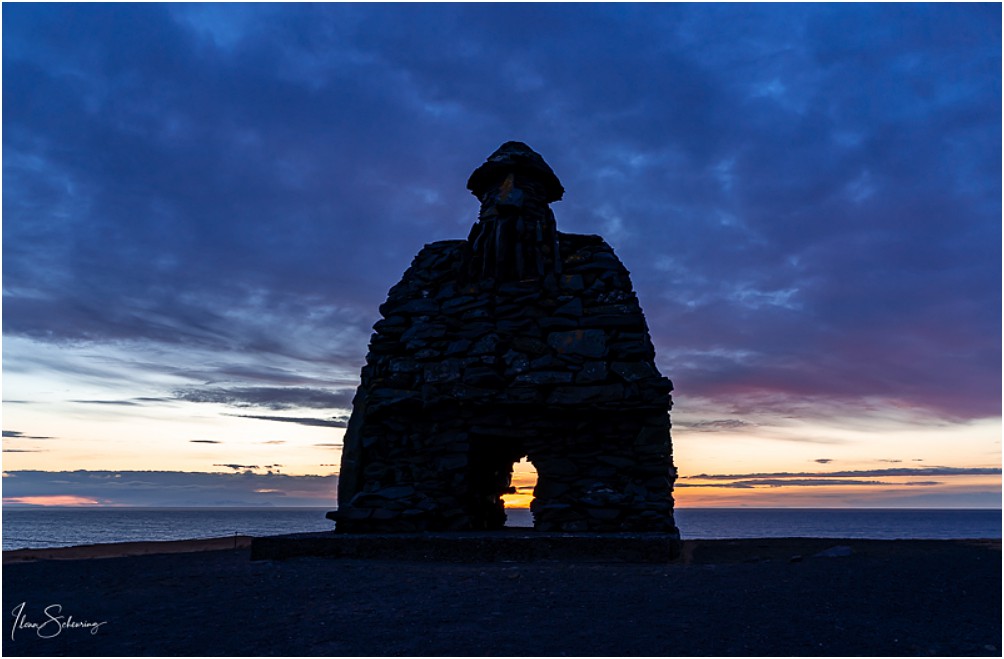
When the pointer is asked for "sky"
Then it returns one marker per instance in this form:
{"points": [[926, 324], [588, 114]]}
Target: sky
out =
{"points": [[204, 205]]}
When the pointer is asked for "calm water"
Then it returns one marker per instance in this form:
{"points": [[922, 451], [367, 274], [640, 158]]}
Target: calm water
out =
{"points": [[62, 527]]}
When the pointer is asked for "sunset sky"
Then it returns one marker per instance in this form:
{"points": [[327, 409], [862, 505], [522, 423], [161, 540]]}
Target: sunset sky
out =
{"points": [[204, 205]]}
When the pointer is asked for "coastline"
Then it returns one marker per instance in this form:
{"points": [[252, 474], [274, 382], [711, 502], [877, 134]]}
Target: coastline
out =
{"points": [[123, 549], [53, 527], [739, 547], [788, 596]]}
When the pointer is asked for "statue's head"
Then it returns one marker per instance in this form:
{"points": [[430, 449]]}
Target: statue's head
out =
{"points": [[523, 164]]}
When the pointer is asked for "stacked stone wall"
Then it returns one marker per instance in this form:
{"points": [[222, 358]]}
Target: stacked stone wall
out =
{"points": [[467, 374]]}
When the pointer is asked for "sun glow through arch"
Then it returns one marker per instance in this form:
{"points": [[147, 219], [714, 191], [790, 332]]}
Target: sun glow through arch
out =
{"points": [[524, 479]]}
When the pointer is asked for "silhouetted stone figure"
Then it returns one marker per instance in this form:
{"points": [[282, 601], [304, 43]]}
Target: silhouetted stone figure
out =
{"points": [[515, 237], [520, 341]]}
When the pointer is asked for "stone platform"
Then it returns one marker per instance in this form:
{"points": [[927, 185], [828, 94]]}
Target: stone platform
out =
{"points": [[519, 545]]}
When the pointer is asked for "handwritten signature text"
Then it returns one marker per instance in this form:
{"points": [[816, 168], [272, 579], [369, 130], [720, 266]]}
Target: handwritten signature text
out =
{"points": [[52, 624]]}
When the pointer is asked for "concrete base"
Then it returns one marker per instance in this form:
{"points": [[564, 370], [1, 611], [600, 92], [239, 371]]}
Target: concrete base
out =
{"points": [[520, 545]]}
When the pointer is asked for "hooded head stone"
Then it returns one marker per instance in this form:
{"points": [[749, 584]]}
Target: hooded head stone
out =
{"points": [[515, 238], [519, 159]]}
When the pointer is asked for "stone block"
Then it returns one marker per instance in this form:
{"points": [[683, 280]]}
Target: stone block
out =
{"points": [[486, 345], [529, 345], [571, 309], [587, 343], [552, 323], [445, 371], [591, 372], [634, 371], [417, 307], [582, 395], [545, 377], [572, 283]]}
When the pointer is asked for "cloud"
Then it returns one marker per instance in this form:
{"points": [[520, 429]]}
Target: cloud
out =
{"points": [[805, 482], [205, 441], [905, 471], [172, 488], [290, 374], [334, 422], [714, 425], [801, 217], [273, 398], [823, 461], [15, 434]]}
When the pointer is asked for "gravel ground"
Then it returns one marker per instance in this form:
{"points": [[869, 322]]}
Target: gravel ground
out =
{"points": [[792, 597]]}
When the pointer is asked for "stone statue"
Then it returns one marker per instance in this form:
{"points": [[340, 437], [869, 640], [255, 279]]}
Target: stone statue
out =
{"points": [[515, 237], [520, 341]]}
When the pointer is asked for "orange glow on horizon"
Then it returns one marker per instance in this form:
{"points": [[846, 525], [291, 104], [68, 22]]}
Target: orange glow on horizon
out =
{"points": [[892, 491], [518, 500], [53, 500]]}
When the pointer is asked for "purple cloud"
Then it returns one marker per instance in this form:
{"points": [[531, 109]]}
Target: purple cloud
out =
{"points": [[174, 488], [808, 196]]}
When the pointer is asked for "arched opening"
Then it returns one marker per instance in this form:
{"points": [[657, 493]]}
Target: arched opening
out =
{"points": [[491, 458], [517, 499]]}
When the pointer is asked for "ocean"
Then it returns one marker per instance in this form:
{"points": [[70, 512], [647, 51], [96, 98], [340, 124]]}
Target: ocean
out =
{"points": [[65, 527]]}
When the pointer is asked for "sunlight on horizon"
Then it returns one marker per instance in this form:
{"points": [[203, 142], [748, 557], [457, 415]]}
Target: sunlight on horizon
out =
{"points": [[80, 421], [60, 500], [524, 479]]}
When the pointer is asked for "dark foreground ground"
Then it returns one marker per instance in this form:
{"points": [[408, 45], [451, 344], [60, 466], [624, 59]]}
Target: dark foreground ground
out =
{"points": [[748, 597]]}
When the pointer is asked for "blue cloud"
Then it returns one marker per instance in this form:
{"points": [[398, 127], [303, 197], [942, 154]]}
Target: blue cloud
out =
{"points": [[174, 488], [808, 196]]}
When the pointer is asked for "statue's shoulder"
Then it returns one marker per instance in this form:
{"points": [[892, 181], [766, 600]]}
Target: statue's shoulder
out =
{"points": [[577, 241], [443, 245]]}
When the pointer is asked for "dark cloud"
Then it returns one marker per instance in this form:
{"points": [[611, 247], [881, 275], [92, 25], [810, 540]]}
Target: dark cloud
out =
{"points": [[273, 398], [22, 450], [804, 482], [334, 422], [896, 471], [823, 461], [238, 467], [714, 425], [808, 196], [205, 441], [15, 434], [268, 375], [171, 488]]}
